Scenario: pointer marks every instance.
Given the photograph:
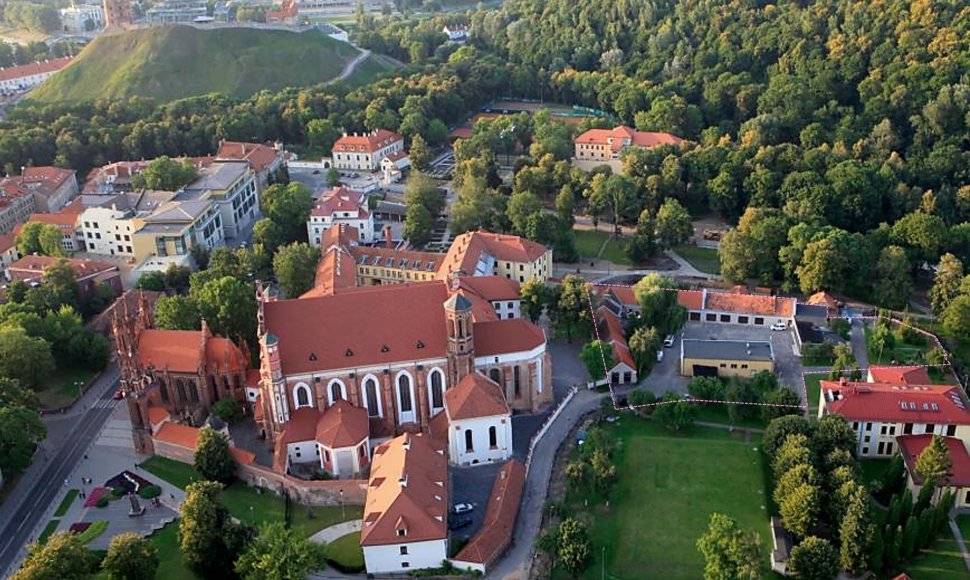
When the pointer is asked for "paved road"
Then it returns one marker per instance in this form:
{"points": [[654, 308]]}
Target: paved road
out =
{"points": [[858, 339], [41, 492]]}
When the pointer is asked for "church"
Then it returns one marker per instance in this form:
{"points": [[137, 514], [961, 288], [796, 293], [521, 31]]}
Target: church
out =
{"points": [[394, 352]]}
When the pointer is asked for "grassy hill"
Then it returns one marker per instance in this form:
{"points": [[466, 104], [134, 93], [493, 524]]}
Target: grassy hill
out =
{"points": [[173, 62]]}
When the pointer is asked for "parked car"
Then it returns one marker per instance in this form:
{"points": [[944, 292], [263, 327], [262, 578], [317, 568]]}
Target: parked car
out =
{"points": [[669, 341], [316, 172], [462, 508], [779, 326], [459, 523], [118, 395]]}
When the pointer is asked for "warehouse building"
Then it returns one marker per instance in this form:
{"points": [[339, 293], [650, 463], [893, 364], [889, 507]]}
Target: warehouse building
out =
{"points": [[725, 358]]}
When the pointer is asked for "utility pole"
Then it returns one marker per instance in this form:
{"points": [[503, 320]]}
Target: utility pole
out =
{"points": [[603, 564]]}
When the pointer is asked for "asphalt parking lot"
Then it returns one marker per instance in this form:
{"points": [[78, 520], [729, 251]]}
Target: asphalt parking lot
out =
{"points": [[666, 376]]}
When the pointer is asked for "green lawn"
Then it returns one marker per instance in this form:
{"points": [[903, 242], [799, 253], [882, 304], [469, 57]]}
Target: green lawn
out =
{"points": [[718, 413], [97, 528], [900, 351], [704, 259], [667, 487], [48, 531], [942, 561], [170, 562], [66, 503], [368, 70], [346, 552], [61, 388], [589, 242], [265, 505]]}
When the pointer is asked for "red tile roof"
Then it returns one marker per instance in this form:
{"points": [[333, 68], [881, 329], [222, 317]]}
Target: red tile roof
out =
{"points": [[424, 262], [66, 218], [258, 155], [408, 491], [500, 515], [33, 266], [858, 401], [750, 304], [482, 310], [157, 415], [45, 179], [623, 136], [823, 299], [906, 375], [492, 288], [34, 68], [182, 351], [504, 336], [368, 143], [611, 332], [911, 446], [336, 271], [377, 325], [8, 241], [343, 200], [302, 426], [342, 425], [475, 396], [467, 249]]}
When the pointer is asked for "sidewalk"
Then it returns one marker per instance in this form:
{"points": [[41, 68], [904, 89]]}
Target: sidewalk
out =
{"points": [[337, 531], [961, 541], [515, 564]]}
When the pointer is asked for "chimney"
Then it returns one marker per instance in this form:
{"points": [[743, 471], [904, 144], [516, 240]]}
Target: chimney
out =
{"points": [[403, 481], [387, 237]]}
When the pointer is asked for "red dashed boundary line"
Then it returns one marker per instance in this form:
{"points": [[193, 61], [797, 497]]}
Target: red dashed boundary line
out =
{"points": [[804, 407]]}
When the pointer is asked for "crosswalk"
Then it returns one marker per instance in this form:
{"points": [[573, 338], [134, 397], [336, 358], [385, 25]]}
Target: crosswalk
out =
{"points": [[105, 404]]}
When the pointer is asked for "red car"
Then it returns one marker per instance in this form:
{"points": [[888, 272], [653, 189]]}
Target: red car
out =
{"points": [[119, 394]]}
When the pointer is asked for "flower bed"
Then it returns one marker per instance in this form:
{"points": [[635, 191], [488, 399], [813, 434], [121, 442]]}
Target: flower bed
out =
{"points": [[95, 495]]}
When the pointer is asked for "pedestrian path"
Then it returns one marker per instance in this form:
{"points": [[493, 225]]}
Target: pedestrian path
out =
{"points": [[336, 531], [959, 536]]}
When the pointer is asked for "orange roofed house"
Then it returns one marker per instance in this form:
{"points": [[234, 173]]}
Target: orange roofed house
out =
{"points": [[958, 478], [182, 372], [881, 412], [264, 160], [405, 523], [366, 151], [27, 76], [608, 144], [88, 273]]}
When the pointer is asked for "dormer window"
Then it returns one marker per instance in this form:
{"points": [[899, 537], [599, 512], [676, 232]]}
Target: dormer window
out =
{"points": [[402, 532], [313, 356], [349, 352]]}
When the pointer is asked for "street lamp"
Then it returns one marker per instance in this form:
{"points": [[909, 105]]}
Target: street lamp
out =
{"points": [[252, 517], [342, 514], [79, 384]]}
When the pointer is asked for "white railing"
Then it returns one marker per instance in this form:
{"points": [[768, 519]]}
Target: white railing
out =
{"points": [[545, 426]]}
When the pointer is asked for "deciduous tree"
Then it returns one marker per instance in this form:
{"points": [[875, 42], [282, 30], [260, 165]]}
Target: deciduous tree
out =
{"points": [[164, 173], [39, 238], [130, 557], [279, 554], [209, 540], [27, 359], [574, 549], [729, 551], [814, 558], [946, 282], [673, 224], [295, 268], [289, 207], [598, 358], [856, 533], [213, 459], [63, 557]]}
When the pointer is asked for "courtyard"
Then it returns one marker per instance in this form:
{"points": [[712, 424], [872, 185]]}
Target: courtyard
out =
{"points": [[666, 376], [667, 487]]}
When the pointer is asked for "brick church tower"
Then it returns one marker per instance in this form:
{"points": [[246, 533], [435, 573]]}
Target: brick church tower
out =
{"points": [[127, 330], [461, 340]]}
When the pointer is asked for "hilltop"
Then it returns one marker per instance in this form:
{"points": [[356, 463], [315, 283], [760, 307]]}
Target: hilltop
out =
{"points": [[173, 62]]}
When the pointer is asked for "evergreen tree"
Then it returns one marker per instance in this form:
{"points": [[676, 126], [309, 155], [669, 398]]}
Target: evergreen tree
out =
{"points": [[212, 457], [894, 544], [934, 462], [877, 555], [907, 547], [856, 533], [815, 559], [924, 497], [926, 534]]}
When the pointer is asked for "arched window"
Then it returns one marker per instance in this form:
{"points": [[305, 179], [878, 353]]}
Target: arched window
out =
{"points": [[302, 396], [213, 395], [163, 389], [468, 440], [180, 389], [404, 393], [337, 391], [225, 386], [372, 400], [437, 390], [194, 391], [496, 375], [492, 437], [516, 381]]}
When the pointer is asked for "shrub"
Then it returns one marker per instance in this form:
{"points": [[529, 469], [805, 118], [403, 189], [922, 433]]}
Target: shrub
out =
{"points": [[228, 410], [150, 491], [102, 501], [707, 388], [118, 491]]}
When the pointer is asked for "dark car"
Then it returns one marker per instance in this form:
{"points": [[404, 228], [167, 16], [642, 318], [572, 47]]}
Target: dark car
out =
{"points": [[119, 394], [457, 523]]}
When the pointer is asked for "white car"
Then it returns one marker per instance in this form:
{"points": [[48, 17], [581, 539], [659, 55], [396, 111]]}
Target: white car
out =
{"points": [[779, 326], [669, 341], [462, 508]]}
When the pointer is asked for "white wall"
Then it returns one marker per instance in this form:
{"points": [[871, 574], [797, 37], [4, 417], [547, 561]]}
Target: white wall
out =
{"points": [[508, 308], [388, 558], [481, 451], [309, 452], [100, 225], [536, 354]]}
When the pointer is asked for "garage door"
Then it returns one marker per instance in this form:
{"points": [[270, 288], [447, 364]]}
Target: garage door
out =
{"points": [[705, 371]]}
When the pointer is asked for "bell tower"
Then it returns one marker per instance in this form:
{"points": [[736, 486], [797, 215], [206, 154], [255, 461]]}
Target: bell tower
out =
{"points": [[461, 343]]}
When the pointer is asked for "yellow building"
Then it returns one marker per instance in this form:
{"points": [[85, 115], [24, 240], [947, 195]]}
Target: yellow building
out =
{"points": [[377, 265], [486, 254], [725, 358], [175, 228]]}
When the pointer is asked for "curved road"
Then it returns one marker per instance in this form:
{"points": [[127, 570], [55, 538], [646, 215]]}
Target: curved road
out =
{"points": [[42, 492]]}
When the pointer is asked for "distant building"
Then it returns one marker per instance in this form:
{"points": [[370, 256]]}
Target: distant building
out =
{"points": [[88, 273], [8, 251], [366, 151], [108, 228], [68, 221], [483, 253], [455, 32], [27, 76], [16, 204], [117, 13], [231, 185], [168, 11], [53, 187], [624, 368], [605, 146], [175, 228], [341, 206], [288, 14], [265, 160], [82, 18]]}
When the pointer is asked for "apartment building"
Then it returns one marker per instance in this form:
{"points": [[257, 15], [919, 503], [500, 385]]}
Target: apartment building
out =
{"points": [[175, 228], [231, 186], [366, 151]]}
